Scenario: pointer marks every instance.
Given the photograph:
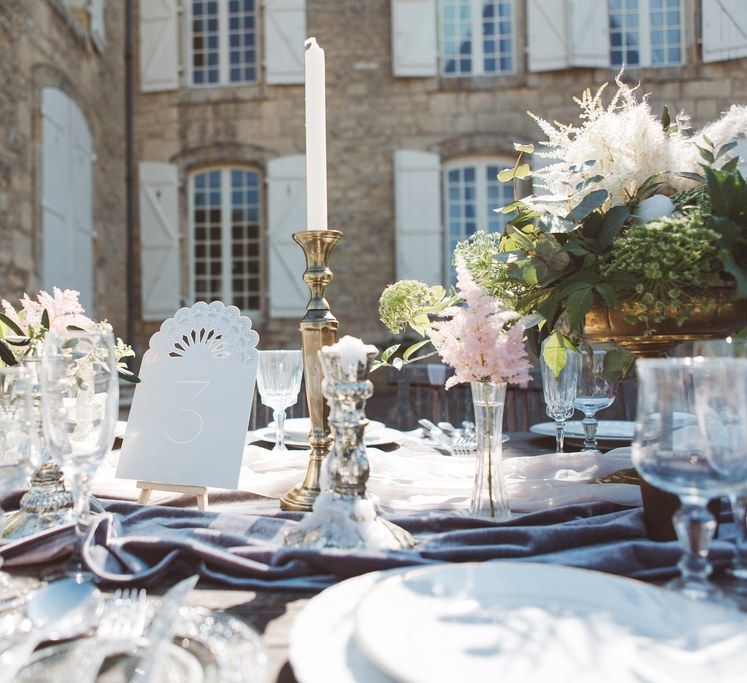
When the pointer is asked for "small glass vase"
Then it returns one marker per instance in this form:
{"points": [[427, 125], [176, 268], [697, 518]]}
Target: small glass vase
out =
{"points": [[489, 497]]}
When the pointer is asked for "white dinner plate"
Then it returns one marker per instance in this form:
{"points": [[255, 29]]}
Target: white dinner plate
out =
{"points": [[298, 428], [608, 430], [381, 437], [322, 644], [519, 622]]}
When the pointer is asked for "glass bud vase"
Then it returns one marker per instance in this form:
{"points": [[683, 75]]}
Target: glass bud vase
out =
{"points": [[489, 497]]}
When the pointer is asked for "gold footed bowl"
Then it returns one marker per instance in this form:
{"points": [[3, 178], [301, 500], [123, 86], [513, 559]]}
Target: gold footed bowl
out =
{"points": [[716, 320]]}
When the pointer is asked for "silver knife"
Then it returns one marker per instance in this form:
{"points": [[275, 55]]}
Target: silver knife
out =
{"points": [[160, 632]]}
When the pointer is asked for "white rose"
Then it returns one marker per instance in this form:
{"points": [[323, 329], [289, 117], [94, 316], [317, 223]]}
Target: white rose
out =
{"points": [[656, 206]]}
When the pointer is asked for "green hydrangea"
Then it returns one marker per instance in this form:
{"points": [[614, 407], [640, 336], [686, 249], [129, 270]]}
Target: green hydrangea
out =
{"points": [[479, 253], [407, 302], [672, 262]]}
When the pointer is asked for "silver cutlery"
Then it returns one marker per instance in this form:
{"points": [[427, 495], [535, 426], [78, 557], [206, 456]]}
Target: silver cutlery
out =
{"points": [[121, 625], [62, 609], [160, 632]]}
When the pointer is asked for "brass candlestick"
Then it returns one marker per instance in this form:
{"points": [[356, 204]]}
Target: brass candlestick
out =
{"points": [[318, 328]]}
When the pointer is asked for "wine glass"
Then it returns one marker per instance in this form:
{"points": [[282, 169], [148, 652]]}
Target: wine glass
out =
{"points": [[19, 454], [279, 381], [80, 403], [691, 440], [593, 393], [560, 392]]}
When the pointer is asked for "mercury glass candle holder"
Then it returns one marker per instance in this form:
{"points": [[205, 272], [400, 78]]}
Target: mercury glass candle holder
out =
{"points": [[343, 516]]}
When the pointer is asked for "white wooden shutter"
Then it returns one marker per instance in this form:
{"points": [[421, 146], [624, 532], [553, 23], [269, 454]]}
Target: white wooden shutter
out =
{"points": [[414, 45], [589, 33], [547, 29], [419, 237], [98, 27], [286, 214], [67, 206], [285, 32], [724, 29], [160, 254], [81, 188], [159, 45]]}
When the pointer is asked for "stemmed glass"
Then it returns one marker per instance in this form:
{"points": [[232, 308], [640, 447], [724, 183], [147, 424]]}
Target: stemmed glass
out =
{"points": [[19, 453], [593, 393], [691, 440], [80, 402], [560, 392], [279, 381]]}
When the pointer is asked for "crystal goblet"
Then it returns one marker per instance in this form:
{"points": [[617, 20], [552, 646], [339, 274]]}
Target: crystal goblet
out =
{"points": [[278, 382]]}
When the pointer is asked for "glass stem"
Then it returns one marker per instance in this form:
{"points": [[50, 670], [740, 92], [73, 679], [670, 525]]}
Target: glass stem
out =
{"points": [[279, 430], [590, 432], [559, 435], [80, 486], [739, 512], [695, 527]]}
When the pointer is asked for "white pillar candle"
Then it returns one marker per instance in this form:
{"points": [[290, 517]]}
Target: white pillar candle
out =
{"points": [[351, 351], [316, 138]]}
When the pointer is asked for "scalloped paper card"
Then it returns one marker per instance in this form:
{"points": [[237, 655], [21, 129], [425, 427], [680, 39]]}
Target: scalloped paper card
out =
{"points": [[191, 410]]}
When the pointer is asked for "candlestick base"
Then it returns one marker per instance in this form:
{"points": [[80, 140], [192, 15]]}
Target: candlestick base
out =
{"points": [[318, 328]]}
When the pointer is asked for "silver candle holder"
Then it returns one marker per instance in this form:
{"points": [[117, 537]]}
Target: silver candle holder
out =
{"points": [[343, 517]]}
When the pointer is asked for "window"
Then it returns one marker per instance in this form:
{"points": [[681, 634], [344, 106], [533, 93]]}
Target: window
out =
{"points": [[472, 192], [476, 37], [223, 41], [225, 213], [645, 32]]}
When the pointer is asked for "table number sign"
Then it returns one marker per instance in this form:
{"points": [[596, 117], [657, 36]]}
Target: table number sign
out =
{"points": [[191, 410]]}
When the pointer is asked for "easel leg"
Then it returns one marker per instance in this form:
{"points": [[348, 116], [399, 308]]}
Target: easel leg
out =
{"points": [[144, 496], [202, 501]]}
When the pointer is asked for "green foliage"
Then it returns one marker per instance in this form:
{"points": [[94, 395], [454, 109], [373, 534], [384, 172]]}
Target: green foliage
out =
{"points": [[407, 303]]}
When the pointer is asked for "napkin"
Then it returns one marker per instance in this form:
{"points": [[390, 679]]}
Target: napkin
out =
{"points": [[409, 480]]}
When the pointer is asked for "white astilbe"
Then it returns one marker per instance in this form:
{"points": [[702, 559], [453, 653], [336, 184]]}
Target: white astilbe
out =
{"points": [[626, 141]]}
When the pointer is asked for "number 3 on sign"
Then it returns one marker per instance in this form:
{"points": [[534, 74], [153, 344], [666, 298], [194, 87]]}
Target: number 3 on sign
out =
{"points": [[186, 409]]}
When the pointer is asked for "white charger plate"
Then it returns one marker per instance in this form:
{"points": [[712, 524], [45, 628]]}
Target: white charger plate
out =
{"points": [[518, 622], [298, 428], [322, 644], [381, 437], [608, 430]]}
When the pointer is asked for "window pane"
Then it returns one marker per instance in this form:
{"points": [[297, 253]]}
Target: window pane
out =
{"points": [[497, 29], [455, 23], [204, 42], [206, 239], [242, 22], [666, 33], [461, 208], [245, 238], [624, 32]]}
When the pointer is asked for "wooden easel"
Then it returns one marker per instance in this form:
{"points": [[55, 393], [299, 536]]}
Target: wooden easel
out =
{"points": [[147, 487]]}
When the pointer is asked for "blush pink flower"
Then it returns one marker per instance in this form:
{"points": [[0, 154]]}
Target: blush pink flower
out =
{"points": [[62, 306], [481, 340]]}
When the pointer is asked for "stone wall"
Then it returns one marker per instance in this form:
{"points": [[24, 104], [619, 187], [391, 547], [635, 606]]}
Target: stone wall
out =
{"points": [[45, 43], [371, 114]]}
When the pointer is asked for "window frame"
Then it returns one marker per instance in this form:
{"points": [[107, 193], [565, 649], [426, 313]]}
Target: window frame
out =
{"points": [[226, 276], [482, 218], [224, 67], [645, 47], [477, 56]]}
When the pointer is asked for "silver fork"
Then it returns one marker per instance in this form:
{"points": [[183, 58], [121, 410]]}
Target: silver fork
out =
{"points": [[121, 624]]}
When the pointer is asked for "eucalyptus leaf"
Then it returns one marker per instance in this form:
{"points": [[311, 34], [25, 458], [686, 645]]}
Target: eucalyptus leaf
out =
{"points": [[128, 376], [554, 353], [706, 154], [527, 149], [6, 355], [613, 222], [726, 148], [397, 363], [589, 203], [522, 171], [697, 177], [11, 324], [731, 165], [387, 353], [506, 175], [666, 119], [18, 341], [413, 348], [45, 319]]}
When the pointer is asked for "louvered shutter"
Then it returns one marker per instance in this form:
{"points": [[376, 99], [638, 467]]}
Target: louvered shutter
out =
{"points": [[67, 219], [81, 189], [98, 26], [159, 45], [724, 29], [286, 214], [160, 254], [414, 45], [285, 32], [590, 33], [419, 236], [547, 22]]}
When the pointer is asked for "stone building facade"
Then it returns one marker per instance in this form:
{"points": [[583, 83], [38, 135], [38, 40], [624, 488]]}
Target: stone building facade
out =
{"points": [[408, 123], [62, 140]]}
